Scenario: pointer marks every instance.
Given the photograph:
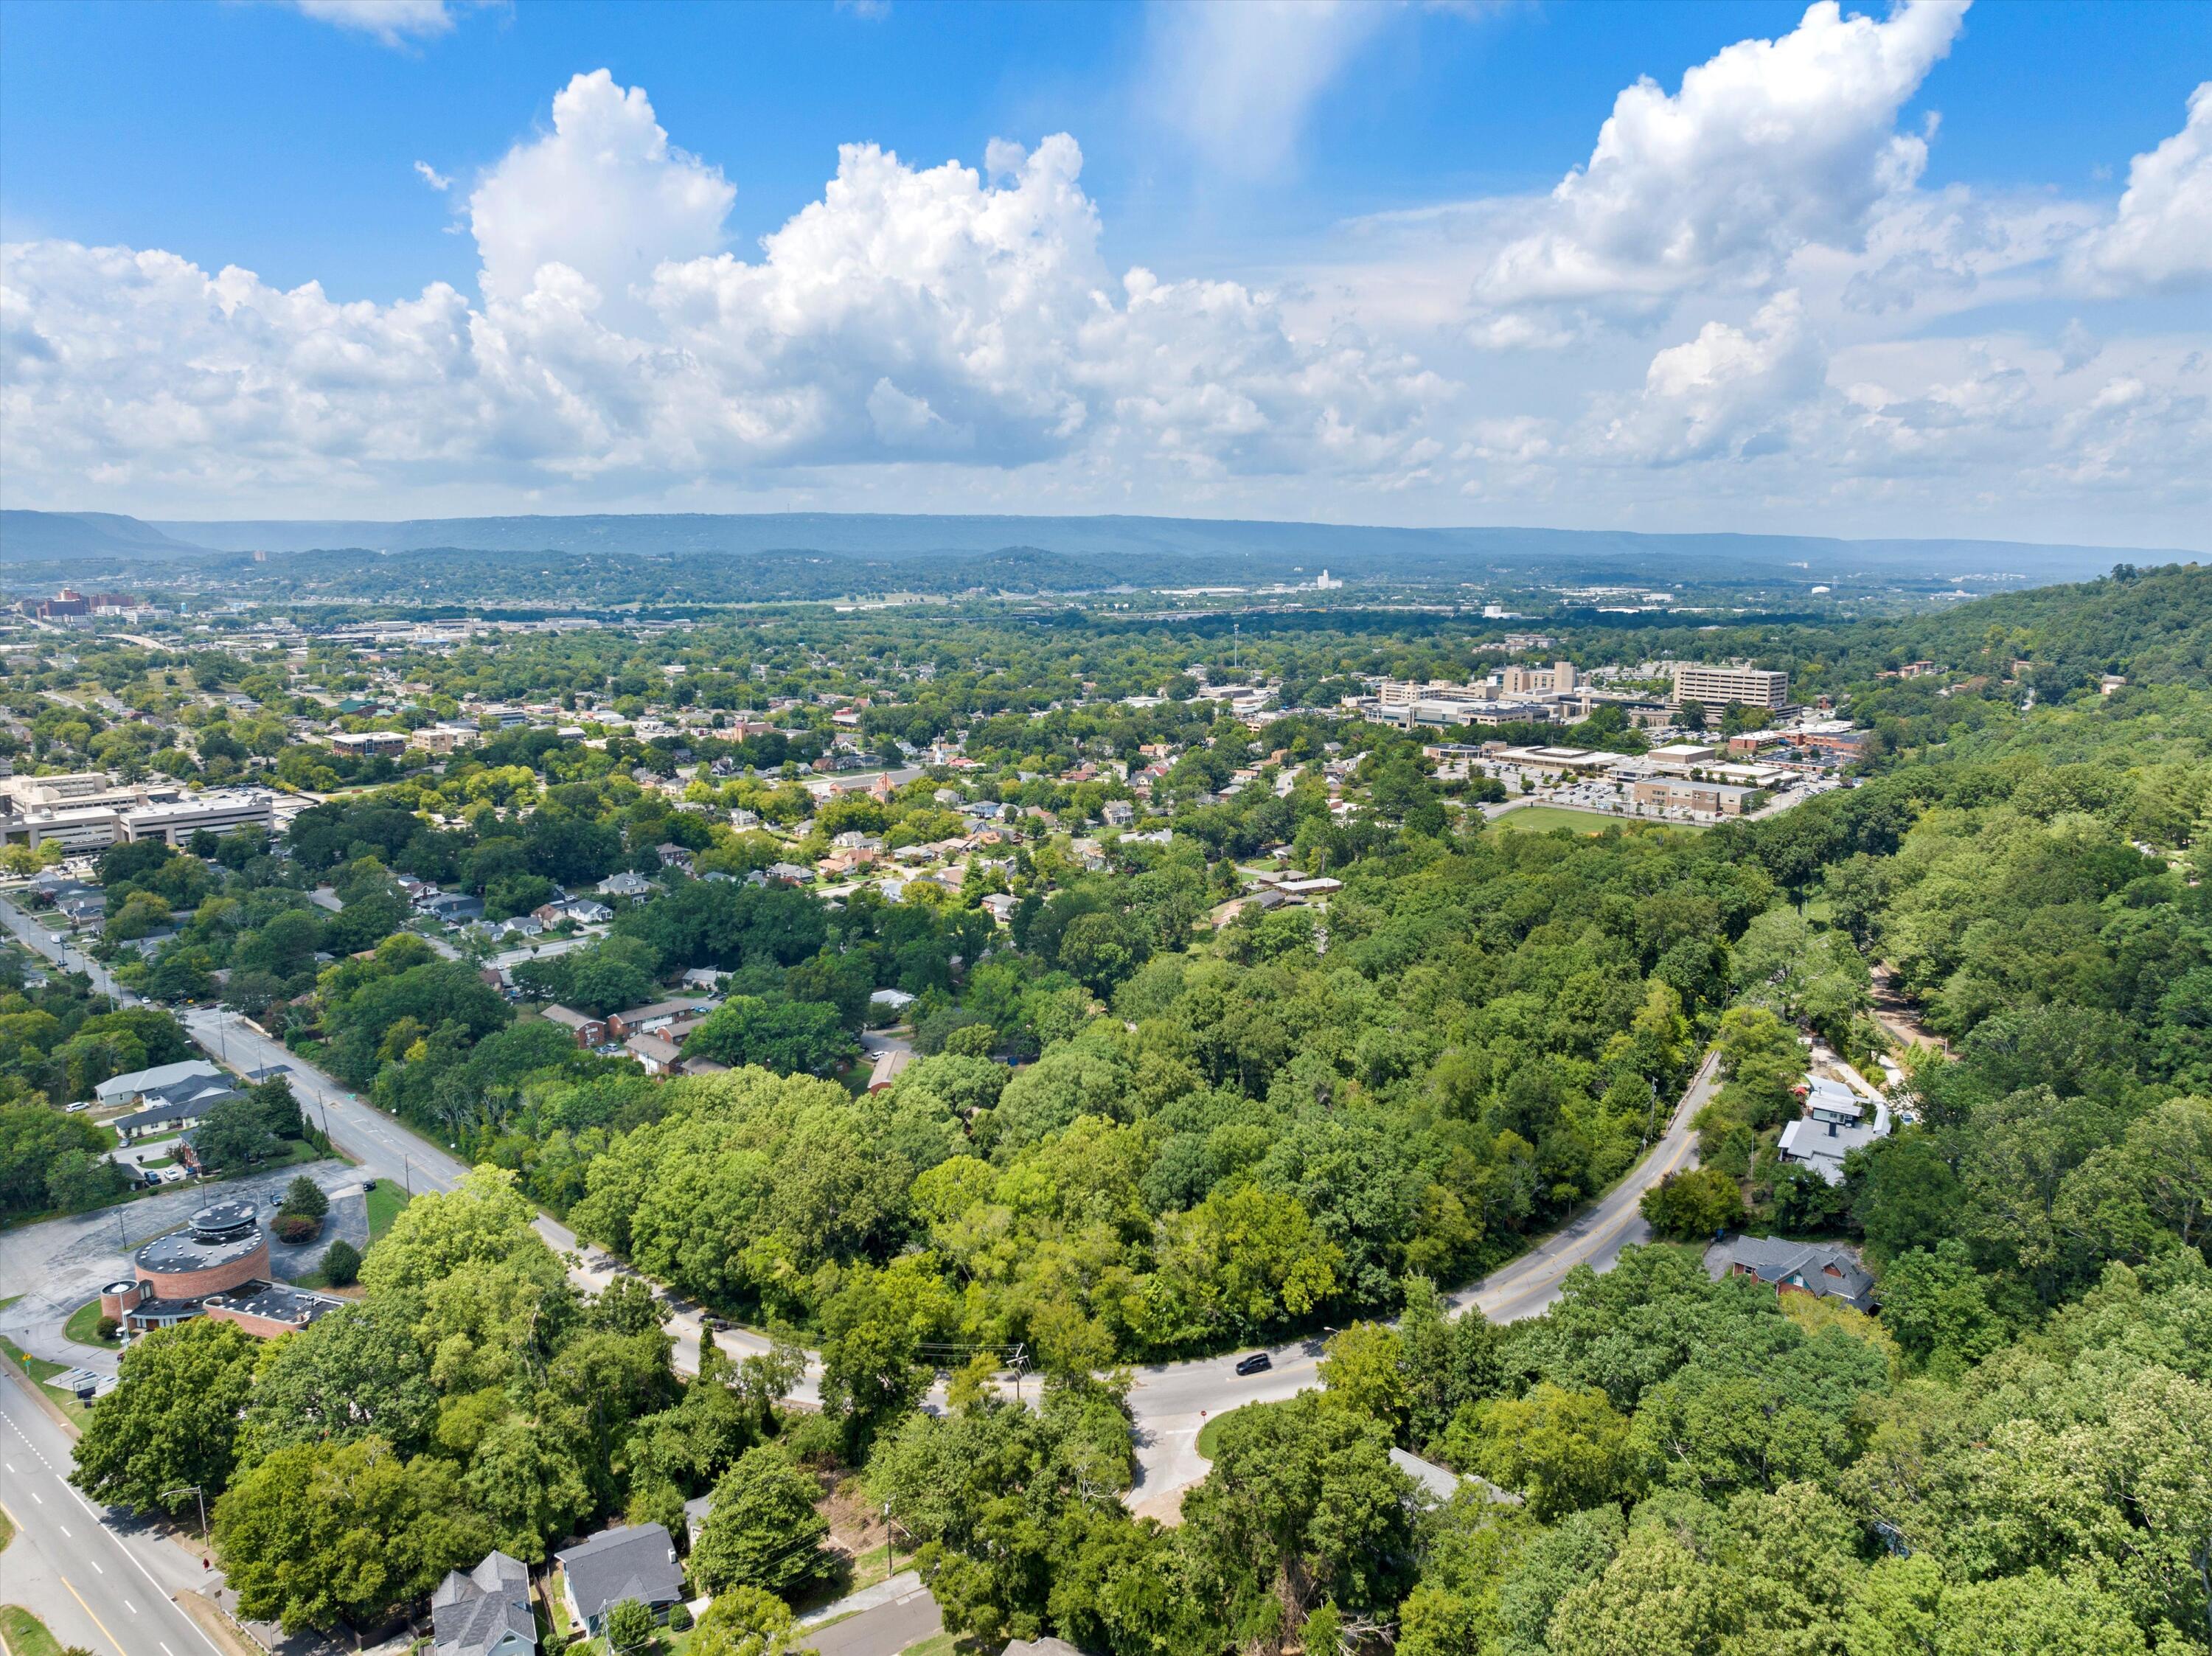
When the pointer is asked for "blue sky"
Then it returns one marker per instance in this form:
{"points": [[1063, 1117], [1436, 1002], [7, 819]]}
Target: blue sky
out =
{"points": [[1887, 276]]}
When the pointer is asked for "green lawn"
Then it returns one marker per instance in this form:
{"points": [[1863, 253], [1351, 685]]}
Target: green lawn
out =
{"points": [[84, 1327], [27, 1634], [1210, 1434], [42, 1371], [1541, 819], [384, 1205]]}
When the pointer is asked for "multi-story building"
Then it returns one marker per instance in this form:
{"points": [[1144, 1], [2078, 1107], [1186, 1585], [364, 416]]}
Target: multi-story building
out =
{"points": [[1715, 687], [218, 811], [86, 811]]}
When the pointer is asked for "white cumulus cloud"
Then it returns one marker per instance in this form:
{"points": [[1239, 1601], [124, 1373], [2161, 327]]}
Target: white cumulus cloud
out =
{"points": [[1768, 145], [603, 194], [2161, 236], [909, 314], [1730, 391]]}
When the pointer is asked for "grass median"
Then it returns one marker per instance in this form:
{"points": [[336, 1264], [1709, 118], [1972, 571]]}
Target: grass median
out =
{"points": [[25, 1634]]}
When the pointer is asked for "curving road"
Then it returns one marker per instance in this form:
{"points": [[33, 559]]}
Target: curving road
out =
{"points": [[1170, 1401]]}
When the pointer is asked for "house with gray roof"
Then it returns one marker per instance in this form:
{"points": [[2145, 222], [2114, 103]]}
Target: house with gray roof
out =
{"points": [[1834, 1126], [484, 1611], [1821, 1269], [636, 1561]]}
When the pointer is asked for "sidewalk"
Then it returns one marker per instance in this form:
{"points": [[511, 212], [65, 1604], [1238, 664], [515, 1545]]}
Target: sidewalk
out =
{"points": [[883, 1593]]}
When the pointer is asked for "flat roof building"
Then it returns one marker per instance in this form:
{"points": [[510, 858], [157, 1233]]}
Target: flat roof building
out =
{"points": [[1715, 687]]}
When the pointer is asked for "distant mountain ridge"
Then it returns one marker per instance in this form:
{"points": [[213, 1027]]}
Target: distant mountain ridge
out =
{"points": [[1266, 547], [77, 534]]}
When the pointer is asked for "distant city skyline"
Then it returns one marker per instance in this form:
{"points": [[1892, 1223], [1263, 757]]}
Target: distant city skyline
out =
{"points": [[1931, 272]]}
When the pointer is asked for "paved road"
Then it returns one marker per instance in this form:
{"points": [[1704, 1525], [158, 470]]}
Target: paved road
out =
{"points": [[1171, 1402], [98, 1581], [884, 1631]]}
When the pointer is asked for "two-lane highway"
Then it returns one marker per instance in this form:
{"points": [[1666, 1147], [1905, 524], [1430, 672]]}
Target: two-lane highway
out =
{"points": [[92, 1586]]}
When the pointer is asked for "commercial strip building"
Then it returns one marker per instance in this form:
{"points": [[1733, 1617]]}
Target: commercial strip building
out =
{"points": [[217, 1266]]}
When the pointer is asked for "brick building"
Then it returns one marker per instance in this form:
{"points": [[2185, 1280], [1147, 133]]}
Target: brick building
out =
{"points": [[217, 1266]]}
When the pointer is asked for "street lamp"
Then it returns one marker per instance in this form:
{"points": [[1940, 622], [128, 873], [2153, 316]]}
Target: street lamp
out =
{"points": [[200, 1495]]}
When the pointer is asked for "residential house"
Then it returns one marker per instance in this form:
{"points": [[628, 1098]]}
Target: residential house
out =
{"points": [[789, 874], [1834, 1126], [654, 1019], [1000, 907], [1434, 1485], [636, 1561], [889, 1064], [521, 925], [484, 1611], [587, 1030], [674, 856], [626, 884], [1819, 1268], [704, 979], [453, 907]]}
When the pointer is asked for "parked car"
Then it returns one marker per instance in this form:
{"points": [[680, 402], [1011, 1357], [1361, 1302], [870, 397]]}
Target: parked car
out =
{"points": [[369, 1183], [1258, 1363]]}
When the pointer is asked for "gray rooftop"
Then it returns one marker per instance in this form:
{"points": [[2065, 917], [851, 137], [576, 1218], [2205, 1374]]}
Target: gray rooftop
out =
{"points": [[473, 1610], [637, 1561], [1818, 1268]]}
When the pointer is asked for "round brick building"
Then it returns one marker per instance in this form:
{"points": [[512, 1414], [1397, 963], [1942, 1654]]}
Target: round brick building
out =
{"points": [[222, 1248]]}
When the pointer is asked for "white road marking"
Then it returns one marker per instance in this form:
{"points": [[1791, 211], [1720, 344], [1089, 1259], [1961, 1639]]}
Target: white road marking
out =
{"points": [[95, 1562], [36, 1497], [128, 1606]]}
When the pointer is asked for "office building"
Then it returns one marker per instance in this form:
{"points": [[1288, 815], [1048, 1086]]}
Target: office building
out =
{"points": [[1715, 687]]}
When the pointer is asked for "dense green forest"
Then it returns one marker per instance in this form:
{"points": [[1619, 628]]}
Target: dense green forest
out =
{"points": [[1309, 1119]]}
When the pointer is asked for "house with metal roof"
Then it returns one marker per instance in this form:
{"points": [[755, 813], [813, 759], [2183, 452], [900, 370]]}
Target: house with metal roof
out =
{"points": [[1834, 1126]]}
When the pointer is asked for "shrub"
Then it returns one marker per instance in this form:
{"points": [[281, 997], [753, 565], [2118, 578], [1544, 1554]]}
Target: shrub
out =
{"points": [[106, 1329], [304, 1196], [342, 1264], [679, 1619], [629, 1625], [295, 1228]]}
